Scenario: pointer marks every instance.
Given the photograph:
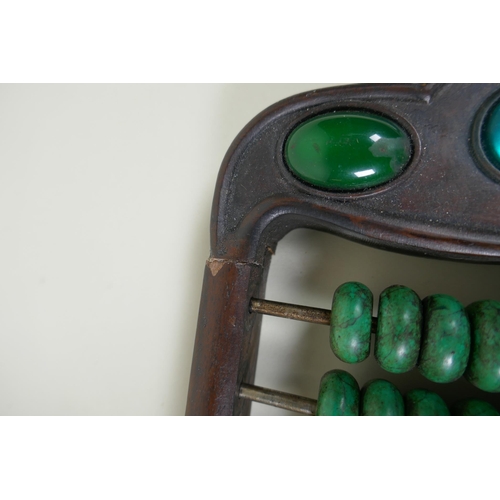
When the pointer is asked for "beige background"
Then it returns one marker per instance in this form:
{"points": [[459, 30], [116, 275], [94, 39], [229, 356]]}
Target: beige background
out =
{"points": [[105, 202]]}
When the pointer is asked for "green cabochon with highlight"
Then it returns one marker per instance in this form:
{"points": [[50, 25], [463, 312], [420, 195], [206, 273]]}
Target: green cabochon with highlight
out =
{"points": [[347, 151]]}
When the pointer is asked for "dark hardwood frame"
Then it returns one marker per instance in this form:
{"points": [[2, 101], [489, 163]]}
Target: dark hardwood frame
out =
{"points": [[445, 204]]}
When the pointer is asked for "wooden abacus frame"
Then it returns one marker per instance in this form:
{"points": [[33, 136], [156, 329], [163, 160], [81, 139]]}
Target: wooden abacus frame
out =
{"points": [[443, 205]]}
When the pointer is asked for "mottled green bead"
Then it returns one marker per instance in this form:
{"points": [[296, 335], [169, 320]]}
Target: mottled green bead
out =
{"points": [[424, 403], [350, 327], [474, 408], [399, 329], [484, 365], [347, 150], [446, 339], [338, 395], [380, 398]]}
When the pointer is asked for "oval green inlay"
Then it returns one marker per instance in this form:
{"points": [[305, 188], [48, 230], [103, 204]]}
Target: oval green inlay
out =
{"points": [[380, 398], [338, 395], [484, 365], [399, 329], [474, 408], [347, 151], [446, 339], [491, 135], [424, 403], [351, 321]]}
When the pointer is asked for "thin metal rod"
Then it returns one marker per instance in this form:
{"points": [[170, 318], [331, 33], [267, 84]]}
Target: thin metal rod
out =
{"points": [[291, 402], [297, 312], [291, 311]]}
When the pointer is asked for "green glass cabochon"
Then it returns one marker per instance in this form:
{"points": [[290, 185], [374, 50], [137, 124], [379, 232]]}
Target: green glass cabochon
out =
{"points": [[347, 150], [490, 135]]}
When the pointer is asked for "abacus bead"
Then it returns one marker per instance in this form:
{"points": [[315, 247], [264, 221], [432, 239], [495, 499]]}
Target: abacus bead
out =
{"points": [[399, 329], [446, 339], [380, 398], [473, 407], [338, 395], [350, 327], [424, 403], [484, 365]]}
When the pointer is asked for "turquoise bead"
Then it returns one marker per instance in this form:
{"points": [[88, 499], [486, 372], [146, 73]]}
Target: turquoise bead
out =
{"points": [[491, 135], [399, 329], [380, 398], [351, 320], [424, 403], [474, 408], [445, 341], [338, 395], [347, 150], [484, 365]]}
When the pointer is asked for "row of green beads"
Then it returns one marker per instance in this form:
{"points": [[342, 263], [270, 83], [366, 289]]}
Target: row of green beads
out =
{"points": [[421, 402], [446, 337], [339, 395], [434, 335]]}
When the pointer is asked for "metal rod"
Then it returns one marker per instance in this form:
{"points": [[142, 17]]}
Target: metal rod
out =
{"points": [[291, 402], [293, 311]]}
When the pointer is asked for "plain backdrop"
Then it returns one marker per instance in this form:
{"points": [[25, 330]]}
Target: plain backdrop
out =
{"points": [[105, 203]]}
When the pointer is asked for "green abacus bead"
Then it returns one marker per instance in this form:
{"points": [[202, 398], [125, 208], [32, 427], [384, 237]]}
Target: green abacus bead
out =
{"points": [[380, 398], [338, 395], [446, 339], [474, 408], [350, 327], [424, 403], [483, 370], [399, 329]]}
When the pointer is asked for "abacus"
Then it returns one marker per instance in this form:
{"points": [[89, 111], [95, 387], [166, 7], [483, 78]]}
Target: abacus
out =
{"points": [[406, 168]]}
